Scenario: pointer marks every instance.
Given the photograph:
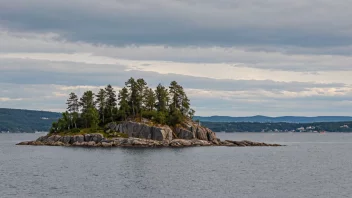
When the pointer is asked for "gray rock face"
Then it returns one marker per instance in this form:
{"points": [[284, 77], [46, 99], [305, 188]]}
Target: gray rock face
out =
{"points": [[185, 134], [192, 130], [53, 138], [189, 130], [87, 137], [141, 130], [96, 137], [66, 139], [180, 142], [78, 138]]}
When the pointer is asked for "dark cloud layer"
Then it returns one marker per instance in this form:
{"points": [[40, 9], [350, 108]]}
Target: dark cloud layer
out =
{"points": [[217, 23]]}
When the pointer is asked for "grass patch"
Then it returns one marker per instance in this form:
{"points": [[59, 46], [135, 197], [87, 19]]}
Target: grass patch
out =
{"points": [[90, 131]]}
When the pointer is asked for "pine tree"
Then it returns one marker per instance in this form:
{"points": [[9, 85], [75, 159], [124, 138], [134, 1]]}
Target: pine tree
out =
{"points": [[101, 103], [162, 97], [149, 99], [185, 104], [72, 103], [66, 120], [123, 103], [73, 108], [191, 113], [177, 94], [131, 84], [87, 103], [141, 87], [110, 101], [93, 118]]}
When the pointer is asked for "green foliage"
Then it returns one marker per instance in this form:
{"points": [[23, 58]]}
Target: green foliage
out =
{"points": [[151, 115], [75, 130], [135, 101], [175, 118], [191, 113], [93, 118], [101, 102], [72, 103], [161, 117], [110, 102], [124, 110], [162, 98], [132, 86], [180, 101], [149, 99], [87, 104]]}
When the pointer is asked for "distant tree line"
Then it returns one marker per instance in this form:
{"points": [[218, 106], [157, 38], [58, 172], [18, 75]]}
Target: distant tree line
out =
{"points": [[134, 101], [279, 127], [28, 121]]}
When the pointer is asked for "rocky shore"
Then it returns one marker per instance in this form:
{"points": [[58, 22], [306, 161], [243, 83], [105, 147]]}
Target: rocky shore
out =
{"points": [[142, 134], [97, 140]]}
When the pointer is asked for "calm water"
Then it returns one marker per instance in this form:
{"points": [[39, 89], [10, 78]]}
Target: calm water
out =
{"points": [[312, 165]]}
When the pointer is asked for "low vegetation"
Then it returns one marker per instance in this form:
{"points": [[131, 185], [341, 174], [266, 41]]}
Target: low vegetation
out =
{"points": [[76, 131]]}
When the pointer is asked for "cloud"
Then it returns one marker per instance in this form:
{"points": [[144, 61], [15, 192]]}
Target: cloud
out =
{"points": [[206, 102], [186, 22], [233, 57], [49, 47], [10, 99]]}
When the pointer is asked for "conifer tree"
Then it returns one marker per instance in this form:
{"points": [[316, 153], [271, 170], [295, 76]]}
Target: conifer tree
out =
{"points": [[131, 84], [177, 96], [162, 97], [185, 104], [149, 99], [92, 117], [87, 104], [110, 101], [191, 113], [141, 87], [101, 103], [72, 103], [73, 108], [123, 103]]}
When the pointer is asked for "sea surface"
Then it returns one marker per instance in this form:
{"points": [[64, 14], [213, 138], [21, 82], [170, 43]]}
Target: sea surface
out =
{"points": [[311, 165]]}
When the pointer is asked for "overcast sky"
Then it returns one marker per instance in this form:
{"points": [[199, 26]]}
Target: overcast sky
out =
{"points": [[237, 58]]}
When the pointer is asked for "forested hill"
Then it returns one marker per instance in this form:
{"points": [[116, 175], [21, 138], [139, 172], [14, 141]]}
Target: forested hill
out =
{"points": [[279, 127], [264, 119], [17, 120]]}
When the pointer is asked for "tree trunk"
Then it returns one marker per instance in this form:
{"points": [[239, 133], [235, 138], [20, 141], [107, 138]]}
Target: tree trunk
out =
{"points": [[112, 119]]}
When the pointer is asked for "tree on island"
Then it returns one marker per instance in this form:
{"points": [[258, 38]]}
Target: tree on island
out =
{"points": [[101, 103], [133, 102], [110, 102], [73, 108]]}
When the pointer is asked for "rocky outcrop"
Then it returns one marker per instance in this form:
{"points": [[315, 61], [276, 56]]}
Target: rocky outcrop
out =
{"points": [[245, 143], [187, 130], [192, 130], [97, 140], [144, 134], [141, 130]]}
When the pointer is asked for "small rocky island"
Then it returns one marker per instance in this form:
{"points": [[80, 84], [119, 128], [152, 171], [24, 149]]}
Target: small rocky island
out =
{"points": [[138, 117]]}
